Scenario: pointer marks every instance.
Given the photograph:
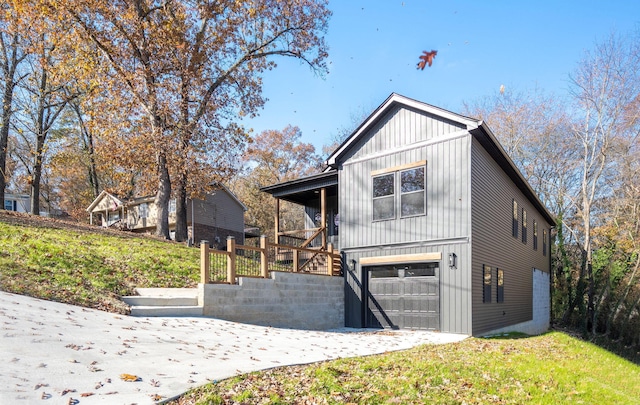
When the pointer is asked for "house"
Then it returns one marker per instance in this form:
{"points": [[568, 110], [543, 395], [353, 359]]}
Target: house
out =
{"points": [[437, 228], [17, 202], [215, 217]]}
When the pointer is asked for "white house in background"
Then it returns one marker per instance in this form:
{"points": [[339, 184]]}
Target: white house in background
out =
{"points": [[215, 217], [17, 202]]}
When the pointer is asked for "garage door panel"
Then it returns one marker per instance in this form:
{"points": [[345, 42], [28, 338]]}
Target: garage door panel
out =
{"points": [[410, 298]]}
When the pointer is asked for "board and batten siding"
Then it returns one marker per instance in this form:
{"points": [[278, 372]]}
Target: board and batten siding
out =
{"points": [[403, 137], [492, 194]]}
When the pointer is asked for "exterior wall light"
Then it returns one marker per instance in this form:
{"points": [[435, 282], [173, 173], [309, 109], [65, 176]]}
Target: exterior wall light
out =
{"points": [[453, 260], [352, 265]]}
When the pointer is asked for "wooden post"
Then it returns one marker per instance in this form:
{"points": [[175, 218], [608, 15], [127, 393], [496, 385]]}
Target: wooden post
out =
{"points": [[330, 259], [231, 260], [276, 223], [205, 268], [323, 213], [296, 260], [264, 265]]}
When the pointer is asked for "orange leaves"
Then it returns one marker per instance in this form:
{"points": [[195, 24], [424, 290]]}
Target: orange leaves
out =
{"points": [[426, 59], [130, 377]]}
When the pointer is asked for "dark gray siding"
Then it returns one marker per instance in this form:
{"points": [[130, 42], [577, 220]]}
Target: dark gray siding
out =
{"points": [[403, 137], [492, 194]]}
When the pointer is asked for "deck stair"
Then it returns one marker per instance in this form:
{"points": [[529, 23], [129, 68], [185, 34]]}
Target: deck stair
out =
{"points": [[164, 302]]}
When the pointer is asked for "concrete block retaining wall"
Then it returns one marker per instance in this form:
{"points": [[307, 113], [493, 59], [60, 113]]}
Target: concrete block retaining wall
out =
{"points": [[286, 300]]}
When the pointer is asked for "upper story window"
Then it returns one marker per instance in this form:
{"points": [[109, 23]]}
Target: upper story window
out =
{"points": [[535, 235], [407, 183], [544, 242], [524, 226], [383, 197], [172, 206], [412, 192], [514, 221]]}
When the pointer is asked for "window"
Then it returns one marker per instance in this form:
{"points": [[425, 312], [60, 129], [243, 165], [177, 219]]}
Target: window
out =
{"points": [[486, 291], [500, 291], [383, 197], [514, 222], [172, 206], [409, 180], [412, 192], [10, 205], [544, 242], [535, 235], [143, 210], [524, 226]]}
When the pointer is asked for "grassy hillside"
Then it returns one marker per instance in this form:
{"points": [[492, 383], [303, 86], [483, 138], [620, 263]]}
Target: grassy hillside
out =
{"points": [[88, 266], [551, 369]]}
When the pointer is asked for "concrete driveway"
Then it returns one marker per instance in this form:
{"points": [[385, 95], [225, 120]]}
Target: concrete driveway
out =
{"points": [[54, 353]]}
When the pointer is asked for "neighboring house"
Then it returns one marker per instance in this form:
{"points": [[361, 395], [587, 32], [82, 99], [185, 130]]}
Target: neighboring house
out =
{"points": [[17, 202], [437, 227], [219, 215]]}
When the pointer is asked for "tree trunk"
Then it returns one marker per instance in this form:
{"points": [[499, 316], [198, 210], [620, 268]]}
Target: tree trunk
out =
{"points": [[163, 196], [36, 175], [181, 208], [11, 63], [4, 135]]}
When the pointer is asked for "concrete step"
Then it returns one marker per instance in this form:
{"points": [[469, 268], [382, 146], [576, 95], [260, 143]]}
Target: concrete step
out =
{"points": [[167, 292], [150, 301], [181, 310], [164, 302]]}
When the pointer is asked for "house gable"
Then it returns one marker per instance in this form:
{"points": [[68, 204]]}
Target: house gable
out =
{"points": [[105, 202], [399, 122]]}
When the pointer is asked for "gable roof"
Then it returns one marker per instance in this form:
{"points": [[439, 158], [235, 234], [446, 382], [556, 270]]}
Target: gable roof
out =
{"points": [[477, 128], [393, 100], [104, 194]]}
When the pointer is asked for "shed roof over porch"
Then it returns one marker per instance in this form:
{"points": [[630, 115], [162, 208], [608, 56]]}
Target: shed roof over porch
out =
{"points": [[305, 189]]}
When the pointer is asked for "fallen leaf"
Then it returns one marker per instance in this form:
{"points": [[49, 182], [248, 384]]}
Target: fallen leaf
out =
{"points": [[86, 394], [130, 377]]}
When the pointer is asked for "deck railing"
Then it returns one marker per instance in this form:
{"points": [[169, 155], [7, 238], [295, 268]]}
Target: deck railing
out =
{"points": [[220, 266]]}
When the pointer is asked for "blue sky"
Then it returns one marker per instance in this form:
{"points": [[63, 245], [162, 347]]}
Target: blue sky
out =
{"points": [[374, 48]]}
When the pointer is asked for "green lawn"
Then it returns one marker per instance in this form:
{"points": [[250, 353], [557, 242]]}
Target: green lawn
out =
{"points": [[551, 369]]}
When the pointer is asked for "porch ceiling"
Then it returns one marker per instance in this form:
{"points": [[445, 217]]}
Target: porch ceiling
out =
{"points": [[302, 190]]}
